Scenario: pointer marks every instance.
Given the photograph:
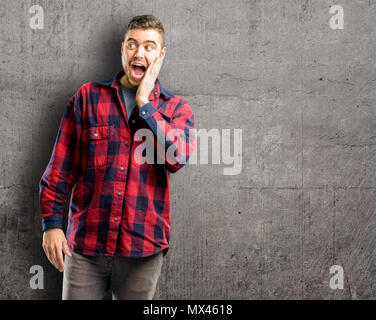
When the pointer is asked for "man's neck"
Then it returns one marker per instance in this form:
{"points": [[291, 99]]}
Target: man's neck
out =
{"points": [[124, 81]]}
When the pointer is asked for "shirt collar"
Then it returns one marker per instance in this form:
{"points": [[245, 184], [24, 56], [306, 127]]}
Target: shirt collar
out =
{"points": [[157, 91]]}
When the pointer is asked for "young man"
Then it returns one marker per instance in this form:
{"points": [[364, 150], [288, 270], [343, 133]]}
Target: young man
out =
{"points": [[119, 215]]}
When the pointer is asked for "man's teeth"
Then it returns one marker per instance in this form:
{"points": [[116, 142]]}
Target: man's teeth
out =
{"points": [[139, 65]]}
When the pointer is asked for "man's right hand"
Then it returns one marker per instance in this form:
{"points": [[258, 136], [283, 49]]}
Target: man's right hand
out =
{"points": [[54, 243]]}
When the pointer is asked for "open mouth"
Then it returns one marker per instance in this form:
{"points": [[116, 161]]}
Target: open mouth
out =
{"points": [[138, 71]]}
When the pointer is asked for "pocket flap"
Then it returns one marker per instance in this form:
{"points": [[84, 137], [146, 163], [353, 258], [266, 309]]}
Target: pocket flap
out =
{"points": [[98, 133]]}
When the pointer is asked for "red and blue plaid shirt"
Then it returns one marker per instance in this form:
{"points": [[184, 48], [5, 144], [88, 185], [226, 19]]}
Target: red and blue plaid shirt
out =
{"points": [[118, 206]]}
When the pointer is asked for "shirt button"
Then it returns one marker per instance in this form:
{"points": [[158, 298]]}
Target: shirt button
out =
{"points": [[133, 121], [115, 219], [119, 193], [126, 142], [95, 134], [121, 168], [143, 112]]}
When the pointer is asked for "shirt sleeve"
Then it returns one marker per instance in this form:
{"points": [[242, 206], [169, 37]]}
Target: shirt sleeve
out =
{"points": [[177, 134], [63, 168]]}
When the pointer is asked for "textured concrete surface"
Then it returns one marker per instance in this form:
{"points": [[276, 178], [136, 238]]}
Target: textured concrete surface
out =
{"points": [[304, 96]]}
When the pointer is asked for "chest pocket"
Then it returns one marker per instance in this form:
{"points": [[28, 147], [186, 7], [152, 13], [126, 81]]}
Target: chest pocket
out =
{"points": [[98, 138]]}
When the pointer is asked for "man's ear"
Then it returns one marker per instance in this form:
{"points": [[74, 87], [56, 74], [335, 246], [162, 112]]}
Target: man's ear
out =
{"points": [[163, 53]]}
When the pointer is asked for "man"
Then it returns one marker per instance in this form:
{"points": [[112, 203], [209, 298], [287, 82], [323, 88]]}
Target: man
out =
{"points": [[119, 215]]}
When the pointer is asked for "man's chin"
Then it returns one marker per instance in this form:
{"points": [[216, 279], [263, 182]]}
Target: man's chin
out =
{"points": [[134, 83]]}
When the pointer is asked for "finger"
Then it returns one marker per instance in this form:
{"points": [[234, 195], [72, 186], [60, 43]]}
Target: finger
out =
{"points": [[59, 259], [157, 67], [47, 251], [159, 62], [66, 249], [51, 255], [150, 63], [150, 68], [150, 71]]}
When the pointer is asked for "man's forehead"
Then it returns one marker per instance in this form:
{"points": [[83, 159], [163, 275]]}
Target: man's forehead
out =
{"points": [[143, 35]]}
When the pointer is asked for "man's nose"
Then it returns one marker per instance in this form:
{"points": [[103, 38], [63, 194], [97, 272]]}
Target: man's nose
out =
{"points": [[139, 52]]}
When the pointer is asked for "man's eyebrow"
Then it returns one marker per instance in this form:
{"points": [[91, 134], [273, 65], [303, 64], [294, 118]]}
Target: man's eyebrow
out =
{"points": [[131, 39]]}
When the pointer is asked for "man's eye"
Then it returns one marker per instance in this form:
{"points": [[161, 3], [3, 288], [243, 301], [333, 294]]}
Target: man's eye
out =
{"points": [[149, 48], [130, 45]]}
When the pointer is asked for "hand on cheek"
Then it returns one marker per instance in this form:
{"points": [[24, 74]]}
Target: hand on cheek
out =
{"points": [[148, 81]]}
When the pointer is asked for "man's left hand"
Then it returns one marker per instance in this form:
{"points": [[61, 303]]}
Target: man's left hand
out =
{"points": [[148, 82]]}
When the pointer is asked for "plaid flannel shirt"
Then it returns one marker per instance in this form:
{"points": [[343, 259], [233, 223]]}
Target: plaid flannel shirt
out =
{"points": [[119, 205]]}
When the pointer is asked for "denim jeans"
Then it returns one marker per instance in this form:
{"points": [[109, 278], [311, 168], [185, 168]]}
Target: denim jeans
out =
{"points": [[90, 278]]}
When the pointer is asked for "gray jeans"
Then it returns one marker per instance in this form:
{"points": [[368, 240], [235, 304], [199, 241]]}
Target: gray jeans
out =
{"points": [[90, 278]]}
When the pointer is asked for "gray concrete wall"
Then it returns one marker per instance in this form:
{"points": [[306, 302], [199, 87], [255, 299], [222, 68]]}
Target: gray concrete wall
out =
{"points": [[303, 94]]}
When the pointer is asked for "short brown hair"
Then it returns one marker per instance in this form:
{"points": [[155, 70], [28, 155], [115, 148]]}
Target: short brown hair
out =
{"points": [[146, 21]]}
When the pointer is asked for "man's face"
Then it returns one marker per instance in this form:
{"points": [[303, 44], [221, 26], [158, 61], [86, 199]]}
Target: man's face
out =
{"points": [[138, 51]]}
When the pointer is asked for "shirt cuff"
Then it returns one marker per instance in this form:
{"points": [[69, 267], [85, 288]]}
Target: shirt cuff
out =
{"points": [[146, 110], [51, 222]]}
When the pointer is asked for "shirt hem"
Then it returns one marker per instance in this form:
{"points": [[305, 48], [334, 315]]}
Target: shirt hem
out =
{"points": [[144, 254]]}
